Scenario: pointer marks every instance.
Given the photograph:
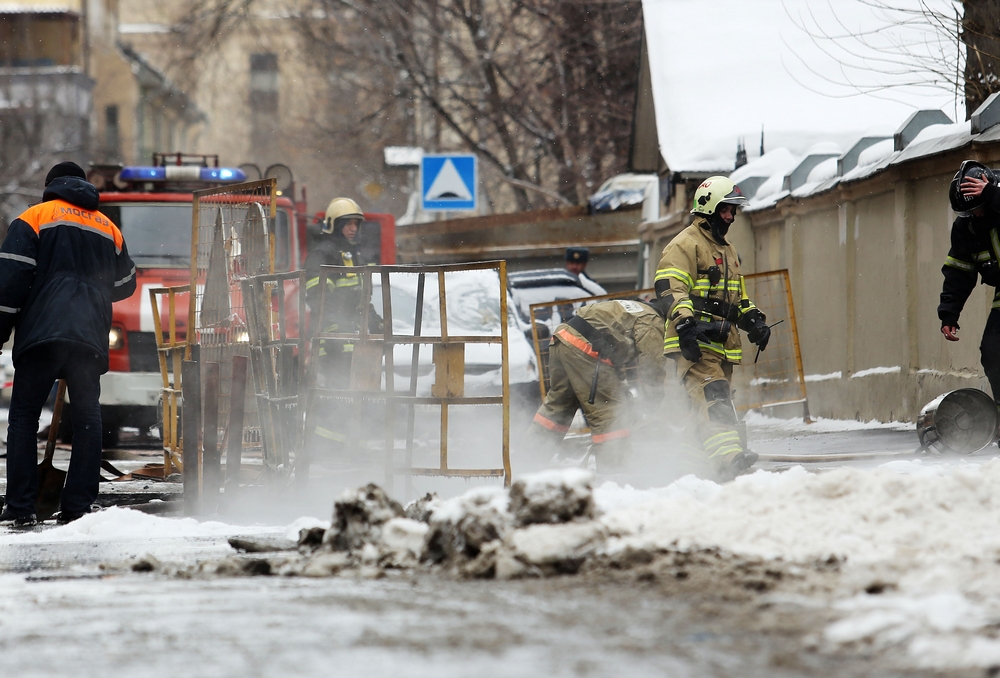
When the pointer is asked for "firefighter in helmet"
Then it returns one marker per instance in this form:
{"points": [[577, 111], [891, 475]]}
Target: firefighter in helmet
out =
{"points": [[700, 289], [974, 255], [587, 358], [336, 244]]}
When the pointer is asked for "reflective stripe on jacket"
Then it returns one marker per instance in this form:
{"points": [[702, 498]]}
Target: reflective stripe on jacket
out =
{"points": [[635, 332], [975, 245], [62, 265], [683, 275]]}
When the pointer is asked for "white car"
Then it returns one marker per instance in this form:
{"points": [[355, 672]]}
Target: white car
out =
{"points": [[473, 299]]}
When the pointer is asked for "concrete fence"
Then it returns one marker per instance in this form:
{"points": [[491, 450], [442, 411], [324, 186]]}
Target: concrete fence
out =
{"points": [[865, 262]]}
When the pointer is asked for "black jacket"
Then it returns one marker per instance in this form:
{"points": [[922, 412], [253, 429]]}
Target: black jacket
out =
{"points": [[62, 265], [343, 294], [974, 254]]}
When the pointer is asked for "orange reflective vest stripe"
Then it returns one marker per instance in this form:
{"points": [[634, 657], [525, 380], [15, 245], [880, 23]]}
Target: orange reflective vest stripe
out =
{"points": [[549, 424], [54, 213], [580, 344], [611, 435]]}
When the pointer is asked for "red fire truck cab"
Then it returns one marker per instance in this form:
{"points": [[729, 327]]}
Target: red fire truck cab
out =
{"points": [[152, 207]]}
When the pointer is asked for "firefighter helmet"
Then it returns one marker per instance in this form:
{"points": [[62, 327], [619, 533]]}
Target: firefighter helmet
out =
{"points": [[716, 191], [964, 205], [338, 209]]}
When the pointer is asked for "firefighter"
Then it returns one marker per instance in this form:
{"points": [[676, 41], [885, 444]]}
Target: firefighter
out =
{"points": [[62, 265], [336, 244], [974, 255], [587, 357], [700, 289]]}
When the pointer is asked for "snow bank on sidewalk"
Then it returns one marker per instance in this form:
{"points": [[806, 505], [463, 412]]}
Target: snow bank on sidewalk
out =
{"points": [[117, 523], [918, 545]]}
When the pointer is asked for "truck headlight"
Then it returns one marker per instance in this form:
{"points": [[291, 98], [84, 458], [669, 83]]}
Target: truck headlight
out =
{"points": [[116, 338]]}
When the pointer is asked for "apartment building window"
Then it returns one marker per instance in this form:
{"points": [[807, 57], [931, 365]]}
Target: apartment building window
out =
{"points": [[112, 133], [264, 116]]}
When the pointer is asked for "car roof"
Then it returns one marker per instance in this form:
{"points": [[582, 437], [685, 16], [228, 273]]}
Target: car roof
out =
{"points": [[543, 277]]}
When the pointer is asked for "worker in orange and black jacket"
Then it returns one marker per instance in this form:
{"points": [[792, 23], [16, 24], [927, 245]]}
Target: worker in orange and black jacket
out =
{"points": [[62, 265]]}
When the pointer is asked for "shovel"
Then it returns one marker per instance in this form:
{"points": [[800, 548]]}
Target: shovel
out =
{"points": [[51, 479]]}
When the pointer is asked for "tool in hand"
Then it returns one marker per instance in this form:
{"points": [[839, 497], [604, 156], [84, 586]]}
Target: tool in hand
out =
{"points": [[51, 479], [758, 349]]}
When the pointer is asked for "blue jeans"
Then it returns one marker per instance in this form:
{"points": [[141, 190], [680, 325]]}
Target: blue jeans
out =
{"points": [[34, 373]]}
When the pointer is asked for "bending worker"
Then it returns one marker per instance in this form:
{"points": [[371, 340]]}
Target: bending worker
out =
{"points": [[699, 286], [586, 370], [336, 244], [974, 254], [62, 264]]}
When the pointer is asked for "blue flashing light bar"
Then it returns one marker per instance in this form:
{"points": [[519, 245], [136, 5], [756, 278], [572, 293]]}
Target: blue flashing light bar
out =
{"points": [[144, 174], [183, 173]]}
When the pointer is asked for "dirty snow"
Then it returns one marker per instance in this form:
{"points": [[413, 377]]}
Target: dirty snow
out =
{"points": [[923, 537]]}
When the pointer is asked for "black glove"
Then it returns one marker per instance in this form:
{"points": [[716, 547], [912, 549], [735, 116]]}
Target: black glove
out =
{"points": [[687, 332], [759, 333]]}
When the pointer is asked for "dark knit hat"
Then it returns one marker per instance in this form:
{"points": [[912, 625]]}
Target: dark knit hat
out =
{"points": [[581, 254], [65, 169]]}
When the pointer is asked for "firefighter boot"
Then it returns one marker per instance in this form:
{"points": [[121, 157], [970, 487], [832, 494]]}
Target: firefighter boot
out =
{"points": [[611, 456], [731, 465]]}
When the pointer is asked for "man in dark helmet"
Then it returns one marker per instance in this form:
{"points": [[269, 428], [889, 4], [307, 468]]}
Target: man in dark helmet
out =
{"points": [[974, 255]]}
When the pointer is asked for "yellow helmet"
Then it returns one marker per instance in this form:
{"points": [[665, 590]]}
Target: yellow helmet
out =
{"points": [[716, 191], [341, 208]]}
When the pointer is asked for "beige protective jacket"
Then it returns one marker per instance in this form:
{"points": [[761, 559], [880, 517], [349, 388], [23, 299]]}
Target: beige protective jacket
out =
{"points": [[685, 265], [635, 331]]}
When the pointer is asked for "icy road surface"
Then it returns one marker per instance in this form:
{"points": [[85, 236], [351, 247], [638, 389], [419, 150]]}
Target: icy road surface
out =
{"points": [[914, 590]]}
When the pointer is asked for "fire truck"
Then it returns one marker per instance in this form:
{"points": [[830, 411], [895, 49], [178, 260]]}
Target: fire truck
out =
{"points": [[152, 207]]}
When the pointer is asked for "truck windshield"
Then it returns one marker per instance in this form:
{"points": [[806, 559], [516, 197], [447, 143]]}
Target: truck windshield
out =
{"points": [[159, 234], [155, 234]]}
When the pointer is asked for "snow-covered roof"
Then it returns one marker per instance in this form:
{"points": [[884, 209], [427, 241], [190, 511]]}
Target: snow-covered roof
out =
{"points": [[12, 8], [931, 140], [722, 69]]}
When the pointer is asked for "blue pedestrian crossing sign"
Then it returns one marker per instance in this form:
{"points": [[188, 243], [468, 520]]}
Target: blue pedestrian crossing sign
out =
{"points": [[448, 182]]}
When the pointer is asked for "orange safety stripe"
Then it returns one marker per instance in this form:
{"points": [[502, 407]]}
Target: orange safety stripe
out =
{"points": [[612, 435], [581, 344], [549, 424], [54, 213]]}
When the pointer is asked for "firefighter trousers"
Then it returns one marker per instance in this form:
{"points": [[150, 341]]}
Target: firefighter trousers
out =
{"points": [[989, 351], [571, 373], [707, 383]]}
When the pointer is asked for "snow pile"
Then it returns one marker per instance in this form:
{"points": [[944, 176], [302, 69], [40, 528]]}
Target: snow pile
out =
{"points": [[117, 523], [461, 527], [916, 547], [553, 497]]}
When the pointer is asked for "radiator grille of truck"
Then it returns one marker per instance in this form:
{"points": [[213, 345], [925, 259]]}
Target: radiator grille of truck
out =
{"points": [[142, 352]]}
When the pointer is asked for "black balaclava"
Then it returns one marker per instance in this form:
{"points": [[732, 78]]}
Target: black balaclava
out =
{"points": [[719, 226]]}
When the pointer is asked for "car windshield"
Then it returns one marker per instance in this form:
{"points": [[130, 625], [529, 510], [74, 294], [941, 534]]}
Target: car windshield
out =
{"points": [[526, 296], [473, 303], [159, 234]]}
